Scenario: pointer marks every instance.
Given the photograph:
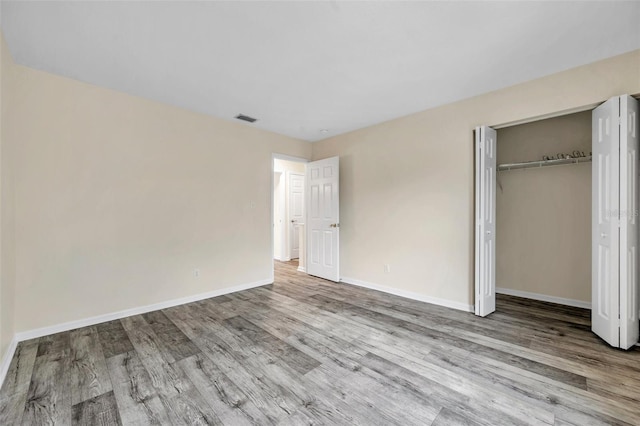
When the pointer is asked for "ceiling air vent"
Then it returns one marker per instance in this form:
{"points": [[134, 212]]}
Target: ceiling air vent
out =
{"points": [[246, 118]]}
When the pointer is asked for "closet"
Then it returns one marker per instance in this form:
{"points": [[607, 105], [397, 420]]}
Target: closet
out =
{"points": [[556, 215], [543, 210]]}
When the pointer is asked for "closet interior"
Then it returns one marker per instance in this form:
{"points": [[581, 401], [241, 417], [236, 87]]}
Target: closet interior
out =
{"points": [[543, 210]]}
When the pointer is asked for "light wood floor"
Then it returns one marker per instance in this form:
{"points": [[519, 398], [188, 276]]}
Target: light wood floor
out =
{"points": [[307, 351]]}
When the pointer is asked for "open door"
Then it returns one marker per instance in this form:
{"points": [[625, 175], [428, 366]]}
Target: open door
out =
{"points": [[296, 212], [629, 325], [485, 248], [323, 224], [614, 312]]}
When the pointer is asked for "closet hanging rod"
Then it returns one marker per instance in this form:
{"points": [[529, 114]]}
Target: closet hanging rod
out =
{"points": [[543, 163]]}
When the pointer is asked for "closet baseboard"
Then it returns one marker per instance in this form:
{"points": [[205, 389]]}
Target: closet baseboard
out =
{"points": [[544, 298]]}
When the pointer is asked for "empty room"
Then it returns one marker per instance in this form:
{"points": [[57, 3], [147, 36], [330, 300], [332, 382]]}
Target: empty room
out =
{"points": [[319, 213]]}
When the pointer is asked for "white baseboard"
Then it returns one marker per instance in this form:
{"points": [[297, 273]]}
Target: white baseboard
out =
{"points": [[302, 269], [544, 298], [6, 359], [71, 325], [410, 295]]}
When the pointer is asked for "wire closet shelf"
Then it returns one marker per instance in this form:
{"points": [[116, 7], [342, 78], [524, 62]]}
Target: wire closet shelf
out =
{"points": [[543, 163]]}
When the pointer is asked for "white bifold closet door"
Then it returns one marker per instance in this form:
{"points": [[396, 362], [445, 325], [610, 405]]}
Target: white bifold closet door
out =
{"points": [[605, 202], [614, 311], [485, 260], [629, 228]]}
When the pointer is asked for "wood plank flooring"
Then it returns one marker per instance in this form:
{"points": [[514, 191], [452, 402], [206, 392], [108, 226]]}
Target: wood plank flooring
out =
{"points": [[308, 351]]}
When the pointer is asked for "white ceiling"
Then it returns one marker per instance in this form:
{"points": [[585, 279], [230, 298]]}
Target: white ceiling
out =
{"points": [[300, 67]]}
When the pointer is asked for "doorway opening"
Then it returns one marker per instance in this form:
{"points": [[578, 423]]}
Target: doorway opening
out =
{"points": [[288, 210], [543, 210], [305, 213]]}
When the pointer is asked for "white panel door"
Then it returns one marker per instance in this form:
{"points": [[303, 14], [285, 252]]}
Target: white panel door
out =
{"points": [[296, 212], [605, 232], [485, 248], [323, 225], [629, 326]]}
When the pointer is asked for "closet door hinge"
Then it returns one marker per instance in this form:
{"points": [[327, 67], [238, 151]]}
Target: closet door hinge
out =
{"points": [[619, 321]]}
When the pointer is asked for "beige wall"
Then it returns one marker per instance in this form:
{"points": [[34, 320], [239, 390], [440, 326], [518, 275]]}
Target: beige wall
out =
{"points": [[119, 199], [406, 186], [543, 216], [7, 240]]}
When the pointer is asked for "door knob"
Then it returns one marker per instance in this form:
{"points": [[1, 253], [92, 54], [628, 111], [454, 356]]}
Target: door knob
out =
{"points": [[334, 225], [603, 235], [293, 221], [488, 232]]}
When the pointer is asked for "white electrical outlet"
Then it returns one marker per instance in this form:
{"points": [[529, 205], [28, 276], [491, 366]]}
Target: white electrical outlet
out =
{"points": [[196, 273], [387, 268]]}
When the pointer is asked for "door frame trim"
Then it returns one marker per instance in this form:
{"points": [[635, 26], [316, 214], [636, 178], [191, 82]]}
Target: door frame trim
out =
{"points": [[552, 114]]}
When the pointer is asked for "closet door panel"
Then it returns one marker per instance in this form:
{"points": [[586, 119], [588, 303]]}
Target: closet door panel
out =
{"points": [[605, 233], [485, 261], [629, 326]]}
